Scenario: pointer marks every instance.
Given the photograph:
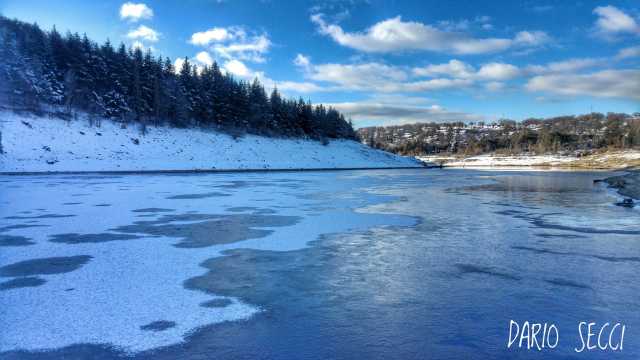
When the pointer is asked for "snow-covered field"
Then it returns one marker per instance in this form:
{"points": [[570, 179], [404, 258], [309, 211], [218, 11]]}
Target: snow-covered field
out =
{"points": [[608, 160], [497, 161], [33, 144]]}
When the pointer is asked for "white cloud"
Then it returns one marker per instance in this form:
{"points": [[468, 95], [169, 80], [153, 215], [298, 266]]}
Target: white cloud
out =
{"points": [[612, 20], [498, 71], [454, 68], [134, 12], [302, 61], [240, 70], [396, 35], [357, 76], [461, 70], [570, 65], [140, 45], [432, 84], [215, 34], [204, 58], [494, 86], [237, 68], [177, 65], [375, 77], [532, 38], [137, 45], [629, 52], [144, 33], [251, 49], [383, 113], [298, 87], [233, 43], [606, 83]]}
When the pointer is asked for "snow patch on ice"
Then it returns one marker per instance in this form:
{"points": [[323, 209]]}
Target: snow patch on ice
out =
{"points": [[129, 284]]}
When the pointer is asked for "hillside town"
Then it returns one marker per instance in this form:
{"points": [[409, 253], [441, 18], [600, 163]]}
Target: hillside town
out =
{"points": [[559, 135]]}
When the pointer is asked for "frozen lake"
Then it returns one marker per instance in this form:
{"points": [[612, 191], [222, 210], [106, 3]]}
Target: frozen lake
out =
{"points": [[392, 264]]}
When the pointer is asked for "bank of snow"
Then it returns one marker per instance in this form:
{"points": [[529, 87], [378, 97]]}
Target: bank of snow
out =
{"points": [[490, 160], [35, 144], [604, 160]]}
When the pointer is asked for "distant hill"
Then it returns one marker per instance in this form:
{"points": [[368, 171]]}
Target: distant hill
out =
{"points": [[558, 135]]}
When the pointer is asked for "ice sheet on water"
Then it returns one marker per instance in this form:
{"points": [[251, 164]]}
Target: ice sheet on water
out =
{"points": [[127, 284]]}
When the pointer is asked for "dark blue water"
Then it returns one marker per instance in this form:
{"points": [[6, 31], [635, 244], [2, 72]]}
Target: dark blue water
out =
{"points": [[483, 248]]}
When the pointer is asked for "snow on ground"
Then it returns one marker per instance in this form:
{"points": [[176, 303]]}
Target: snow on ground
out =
{"points": [[33, 144], [607, 160], [497, 161]]}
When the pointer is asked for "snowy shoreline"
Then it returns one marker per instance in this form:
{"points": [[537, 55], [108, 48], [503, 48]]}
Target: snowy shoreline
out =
{"points": [[613, 160], [41, 145]]}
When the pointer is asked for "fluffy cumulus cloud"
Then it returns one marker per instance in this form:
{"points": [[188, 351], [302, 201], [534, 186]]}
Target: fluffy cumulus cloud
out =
{"points": [[383, 78], [135, 12], [237, 68], [378, 111], [302, 61], [357, 76], [233, 43], [394, 34], [177, 65], [140, 45], [179, 62], [212, 35], [532, 38], [373, 77], [240, 70], [629, 52], [252, 49], [498, 71], [144, 33], [623, 83], [565, 77], [460, 70], [454, 68], [204, 58], [612, 20]]}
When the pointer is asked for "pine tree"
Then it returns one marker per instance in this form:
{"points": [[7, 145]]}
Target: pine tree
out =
{"points": [[41, 67], [258, 111]]}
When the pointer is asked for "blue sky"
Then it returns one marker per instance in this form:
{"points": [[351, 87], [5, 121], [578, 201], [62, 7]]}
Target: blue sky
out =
{"points": [[390, 62]]}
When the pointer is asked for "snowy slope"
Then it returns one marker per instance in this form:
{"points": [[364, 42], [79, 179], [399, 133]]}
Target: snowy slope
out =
{"points": [[33, 144]]}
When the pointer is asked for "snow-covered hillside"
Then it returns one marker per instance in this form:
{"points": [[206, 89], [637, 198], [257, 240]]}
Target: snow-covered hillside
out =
{"points": [[34, 144]]}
